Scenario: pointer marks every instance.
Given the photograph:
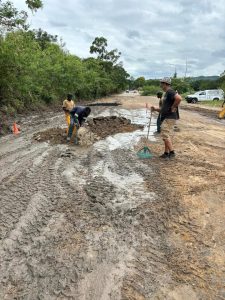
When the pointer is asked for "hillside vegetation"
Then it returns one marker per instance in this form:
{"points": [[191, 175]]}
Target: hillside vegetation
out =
{"points": [[149, 87], [36, 69]]}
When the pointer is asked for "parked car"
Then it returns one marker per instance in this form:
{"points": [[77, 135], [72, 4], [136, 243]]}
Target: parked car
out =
{"points": [[206, 95]]}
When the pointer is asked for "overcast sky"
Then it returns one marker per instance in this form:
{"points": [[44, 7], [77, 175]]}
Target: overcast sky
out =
{"points": [[153, 35]]}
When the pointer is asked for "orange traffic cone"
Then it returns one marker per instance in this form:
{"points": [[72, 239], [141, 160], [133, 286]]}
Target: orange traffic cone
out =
{"points": [[15, 129]]}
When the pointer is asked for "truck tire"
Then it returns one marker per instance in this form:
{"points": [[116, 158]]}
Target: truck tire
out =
{"points": [[216, 99], [194, 100]]}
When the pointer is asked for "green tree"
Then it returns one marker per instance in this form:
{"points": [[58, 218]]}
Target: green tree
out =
{"points": [[208, 85], [180, 85], [154, 82], [99, 47], [11, 17], [34, 4], [43, 38], [195, 84], [35, 69], [139, 82], [150, 90]]}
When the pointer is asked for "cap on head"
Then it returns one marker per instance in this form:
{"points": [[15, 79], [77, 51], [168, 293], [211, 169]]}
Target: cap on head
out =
{"points": [[166, 80], [69, 97], [87, 111]]}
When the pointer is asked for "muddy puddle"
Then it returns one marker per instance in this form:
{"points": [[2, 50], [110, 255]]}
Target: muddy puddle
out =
{"points": [[128, 140], [96, 129]]}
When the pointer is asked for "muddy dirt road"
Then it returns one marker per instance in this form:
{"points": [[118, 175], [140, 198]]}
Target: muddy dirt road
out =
{"points": [[96, 223]]}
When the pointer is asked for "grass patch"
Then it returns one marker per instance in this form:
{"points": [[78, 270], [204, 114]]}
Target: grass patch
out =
{"points": [[211, 103]]}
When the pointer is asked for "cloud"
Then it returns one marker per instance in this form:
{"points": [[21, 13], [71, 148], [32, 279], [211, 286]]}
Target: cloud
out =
{"points": [[133, 34], [153, 36], [57, 24]]}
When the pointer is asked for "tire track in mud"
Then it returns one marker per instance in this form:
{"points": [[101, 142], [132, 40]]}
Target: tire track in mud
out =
{"points": [[190, 235], [28, 205], [82, 227], [86, 224], [133, 231]]}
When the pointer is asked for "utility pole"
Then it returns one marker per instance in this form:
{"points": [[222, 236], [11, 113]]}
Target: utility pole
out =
{"points": [[186, 69], [175, 68]]}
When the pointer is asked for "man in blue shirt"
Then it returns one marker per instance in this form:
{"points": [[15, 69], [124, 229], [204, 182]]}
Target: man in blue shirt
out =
{"points": [[78, 116]]}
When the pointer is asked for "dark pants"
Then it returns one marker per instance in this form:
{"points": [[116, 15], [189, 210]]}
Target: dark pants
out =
{"points": [[72, 124], [159, 122]]}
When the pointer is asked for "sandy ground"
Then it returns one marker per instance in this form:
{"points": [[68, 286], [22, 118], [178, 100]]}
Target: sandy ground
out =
{"points": [[97, 223]]}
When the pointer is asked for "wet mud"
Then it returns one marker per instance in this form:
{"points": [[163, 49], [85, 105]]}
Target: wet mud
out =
{"points": [[96, 128], [106, 126], [97, 223]]}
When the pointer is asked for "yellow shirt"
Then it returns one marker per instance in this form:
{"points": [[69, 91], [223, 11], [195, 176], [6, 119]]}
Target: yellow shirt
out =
{"points": [[68, 105]]}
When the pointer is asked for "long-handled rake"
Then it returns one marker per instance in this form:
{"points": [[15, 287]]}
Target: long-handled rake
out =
{"points": [[145, 152]]}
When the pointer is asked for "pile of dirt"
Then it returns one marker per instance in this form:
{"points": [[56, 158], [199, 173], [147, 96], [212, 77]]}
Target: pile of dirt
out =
{"points": [[95, 129], [105, 126], [87, 137], [52, 135]]}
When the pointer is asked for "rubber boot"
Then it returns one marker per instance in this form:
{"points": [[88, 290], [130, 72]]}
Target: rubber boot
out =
{"points": [[76, 134], [70, 132]]}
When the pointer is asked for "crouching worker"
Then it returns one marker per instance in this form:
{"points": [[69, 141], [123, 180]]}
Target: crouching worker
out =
{"points": [[68, 105], [78, 116], [169, 115]]}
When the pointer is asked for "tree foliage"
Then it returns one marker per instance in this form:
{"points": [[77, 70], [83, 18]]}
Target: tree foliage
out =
{"points": [[139, 82], [182, 85], [34, 4], [150, 90], [221, 83], [203, 84], [11, 17], [99, 47], [43, 38], [35, 69]]}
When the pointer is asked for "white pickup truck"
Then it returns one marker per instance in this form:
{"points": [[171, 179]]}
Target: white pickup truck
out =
{"points": [[206, 95]]}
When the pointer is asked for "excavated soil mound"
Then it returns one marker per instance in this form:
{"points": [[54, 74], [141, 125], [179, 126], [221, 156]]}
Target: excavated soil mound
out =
{"points": [[95, 129], [52, 135], [105, 126]]}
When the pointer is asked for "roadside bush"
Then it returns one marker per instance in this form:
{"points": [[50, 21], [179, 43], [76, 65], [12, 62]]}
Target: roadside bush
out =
{"points": [[150, 90], [181, 85], [32, 73]]}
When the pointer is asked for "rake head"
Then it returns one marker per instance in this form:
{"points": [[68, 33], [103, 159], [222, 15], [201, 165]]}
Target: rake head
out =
{"points": [[144, 153]]}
